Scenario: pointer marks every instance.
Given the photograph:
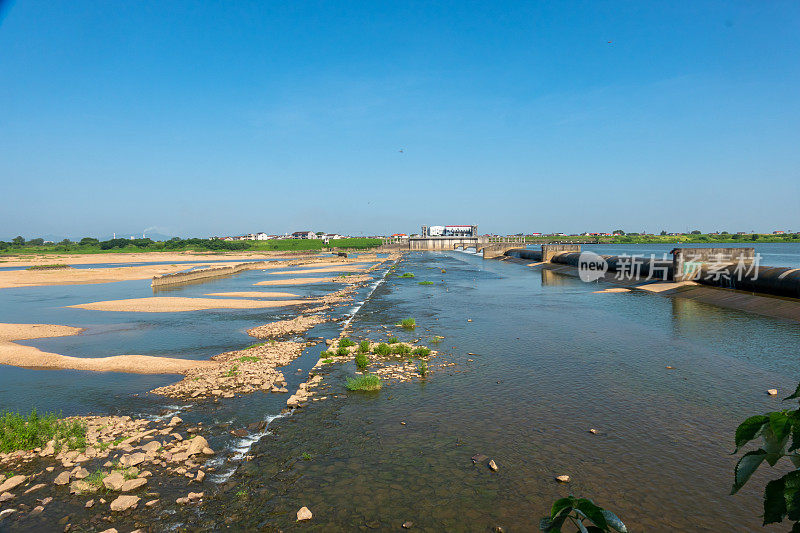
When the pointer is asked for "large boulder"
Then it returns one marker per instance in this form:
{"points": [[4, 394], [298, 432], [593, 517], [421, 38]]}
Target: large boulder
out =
{"points": [[123, 503], [114, 481], [196, 445], [133, 484], [12, 483], [62, 478]]}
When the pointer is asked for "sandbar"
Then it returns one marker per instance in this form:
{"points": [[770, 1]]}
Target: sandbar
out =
{"points": [[300, 281], [85, 276], [343, 268], [172, 304], [15, 354], [255, 294]]}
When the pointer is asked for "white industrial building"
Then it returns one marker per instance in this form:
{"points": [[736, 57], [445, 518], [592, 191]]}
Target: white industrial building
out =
{"points": [[450, 231]]}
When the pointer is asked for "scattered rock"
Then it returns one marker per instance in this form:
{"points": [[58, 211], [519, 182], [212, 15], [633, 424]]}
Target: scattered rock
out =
{"points": [[772, 392], [479, 458], [151, 447], [12, 483], [304, 514], [114, 481], [89, 504], [151, 503], [593, 431], [563, 479], [175, 421], [133, 484], [195, 496], [132, 459], [110, 530], [4, 497], [35, 487], [200, 476], [6, 512], [81, 473], [196, 445], [124, 503], [182, 501], [493, 465], [62, 478], [37, 510], [408, 525]]}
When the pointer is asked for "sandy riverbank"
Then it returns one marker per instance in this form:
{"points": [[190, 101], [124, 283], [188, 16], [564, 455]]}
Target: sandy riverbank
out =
{"points": [[146, 257], [173, 304], [15, 354], [255, 294], [85, 276]]}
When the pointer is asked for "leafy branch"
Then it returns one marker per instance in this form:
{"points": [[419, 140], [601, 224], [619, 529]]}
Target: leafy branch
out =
{"points": [[780, 434]]}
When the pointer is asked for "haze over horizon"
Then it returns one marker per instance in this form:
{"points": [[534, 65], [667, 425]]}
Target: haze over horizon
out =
{"points": [[198, 119]]}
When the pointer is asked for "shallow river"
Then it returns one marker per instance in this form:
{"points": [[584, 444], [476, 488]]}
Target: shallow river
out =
{"points": [[551, 360]]}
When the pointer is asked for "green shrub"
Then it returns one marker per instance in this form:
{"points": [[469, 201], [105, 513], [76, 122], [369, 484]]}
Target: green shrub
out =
{"points": [[401, 349], [383, 349], [306, 456], [341, 352], [20, 433], [232, 372], [392, 340], [425, 283], [407, 275], [421, 351], [249, 359], [346, 343], [327, 361], [325, 354], [422, 368], [408, 323], [363, 346], [367, 382], [362, 361]]}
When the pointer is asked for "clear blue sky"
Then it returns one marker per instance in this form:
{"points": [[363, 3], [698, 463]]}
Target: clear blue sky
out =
{"points": [[203, 118]]}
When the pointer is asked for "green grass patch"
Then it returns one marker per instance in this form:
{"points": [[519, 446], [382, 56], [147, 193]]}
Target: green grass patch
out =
{"points": [[436, 339], [341, 352], [383, 349], [406, 275], [421, 351], [232, 372], [408, 323], [346, 343], [422, 368], [401, 349], [367, 382], [95, 480], [363, 346], [392, 340], [425, 283], [249, 359], [57, 266], [326, 361], [362, 361], [306, 456], [325, 354], [18, 432], [256, 345]]}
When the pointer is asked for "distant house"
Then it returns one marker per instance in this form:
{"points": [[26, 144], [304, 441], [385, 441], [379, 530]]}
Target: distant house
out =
{"points": [[778, 232], [304, 235], [399, 235]]}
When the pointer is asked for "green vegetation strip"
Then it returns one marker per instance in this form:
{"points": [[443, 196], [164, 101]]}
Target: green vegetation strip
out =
{"points": [[18, 432], [90, 245]]}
